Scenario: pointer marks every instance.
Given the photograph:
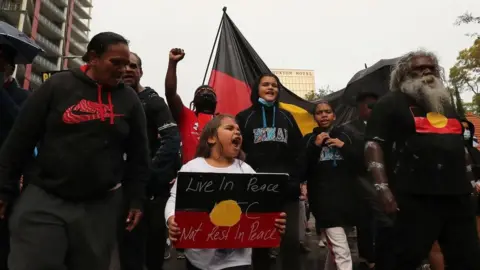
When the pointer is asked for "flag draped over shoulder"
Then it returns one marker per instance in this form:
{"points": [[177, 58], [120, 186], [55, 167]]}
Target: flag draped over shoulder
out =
{"points": [[237, 66]]}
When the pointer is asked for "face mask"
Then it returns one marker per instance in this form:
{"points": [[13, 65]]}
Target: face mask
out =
{"points": [[265, 103], [205, 102], [467, 135]]}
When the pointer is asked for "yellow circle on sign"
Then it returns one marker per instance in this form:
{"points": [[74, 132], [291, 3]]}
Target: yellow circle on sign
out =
{"points": [[437, 120], [226, 214]]}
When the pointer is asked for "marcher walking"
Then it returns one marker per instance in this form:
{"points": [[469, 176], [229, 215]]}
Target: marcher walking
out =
{"points": [[83, 120]]}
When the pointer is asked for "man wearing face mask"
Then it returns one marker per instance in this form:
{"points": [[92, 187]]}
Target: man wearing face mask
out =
{"points": [[189, 120], [146, 244], [469, 131]]}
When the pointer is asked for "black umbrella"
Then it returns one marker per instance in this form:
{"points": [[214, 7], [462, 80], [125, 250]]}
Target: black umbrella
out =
{"points": [[26, 48], [372, 79]]}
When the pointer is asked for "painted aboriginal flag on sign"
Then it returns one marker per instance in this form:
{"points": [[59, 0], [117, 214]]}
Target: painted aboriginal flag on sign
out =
{"points": [[216, 210]]}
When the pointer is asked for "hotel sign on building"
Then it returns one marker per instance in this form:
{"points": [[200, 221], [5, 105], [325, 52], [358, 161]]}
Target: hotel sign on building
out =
{"points": [[299, 81]]}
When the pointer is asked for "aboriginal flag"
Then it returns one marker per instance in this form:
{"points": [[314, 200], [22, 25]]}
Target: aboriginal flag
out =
{"points": [[221, 210], [237, 66]]}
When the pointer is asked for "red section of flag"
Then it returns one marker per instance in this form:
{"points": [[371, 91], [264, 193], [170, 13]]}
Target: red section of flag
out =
{"points": [[233, 95], [253, 230], [422, 125]]}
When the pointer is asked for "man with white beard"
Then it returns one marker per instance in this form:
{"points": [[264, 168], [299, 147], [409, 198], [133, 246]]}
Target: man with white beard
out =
{"points": [[415, 153]]}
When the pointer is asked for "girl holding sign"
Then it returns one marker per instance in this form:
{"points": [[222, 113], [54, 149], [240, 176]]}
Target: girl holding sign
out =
{"points": [[218, 152]]}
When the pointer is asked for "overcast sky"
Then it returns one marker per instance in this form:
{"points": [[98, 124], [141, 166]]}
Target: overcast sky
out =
{"points": [[333, 38]]}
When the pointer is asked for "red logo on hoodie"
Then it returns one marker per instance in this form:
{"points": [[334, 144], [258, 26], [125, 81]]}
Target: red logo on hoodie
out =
{"points": [[87, 110]]}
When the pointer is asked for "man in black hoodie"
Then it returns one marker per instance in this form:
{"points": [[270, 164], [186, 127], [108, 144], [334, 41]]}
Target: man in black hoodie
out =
{"points": [[83, 120], [146, 244], [272, 142]]}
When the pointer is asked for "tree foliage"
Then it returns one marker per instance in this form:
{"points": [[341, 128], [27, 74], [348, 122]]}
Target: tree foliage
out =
{"points": [[474, 106], [468, 18], [318, 94], [465, 74]]}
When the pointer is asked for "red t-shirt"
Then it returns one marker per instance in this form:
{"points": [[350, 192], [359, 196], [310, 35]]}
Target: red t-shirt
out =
{"points": [[191, 126]]}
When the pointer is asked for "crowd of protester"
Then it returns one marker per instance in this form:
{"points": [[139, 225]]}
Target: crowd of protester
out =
{"points": [[98, 155]]}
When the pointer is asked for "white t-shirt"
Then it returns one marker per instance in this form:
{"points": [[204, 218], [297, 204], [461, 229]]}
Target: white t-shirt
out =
{"points": [[211, 259]]}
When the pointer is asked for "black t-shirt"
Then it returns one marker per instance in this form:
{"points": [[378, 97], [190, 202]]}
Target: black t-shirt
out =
{"points": [[424, 152]]}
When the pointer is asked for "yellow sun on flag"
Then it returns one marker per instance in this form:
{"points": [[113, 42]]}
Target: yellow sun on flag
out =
{"points": [[437, 120], [226, 214]]}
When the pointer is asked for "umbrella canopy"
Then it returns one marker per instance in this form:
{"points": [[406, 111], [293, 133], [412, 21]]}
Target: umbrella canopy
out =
{"points": [[372, 79], [26, 48]]}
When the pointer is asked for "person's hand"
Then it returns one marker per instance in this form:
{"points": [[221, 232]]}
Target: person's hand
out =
{"points": [[173, 229], [3, 209], [176, 55], [321, 138], [133, 218], [477, 188], [281, 222], [335, 142], [303, 191], [388, 200]]}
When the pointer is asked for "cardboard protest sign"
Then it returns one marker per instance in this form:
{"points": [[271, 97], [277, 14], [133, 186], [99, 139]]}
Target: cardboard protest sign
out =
{"points": [[216, 210], [47, 74]]}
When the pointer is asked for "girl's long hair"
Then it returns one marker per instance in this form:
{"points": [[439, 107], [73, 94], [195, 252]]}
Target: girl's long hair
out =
{"points": [[204, 148]]}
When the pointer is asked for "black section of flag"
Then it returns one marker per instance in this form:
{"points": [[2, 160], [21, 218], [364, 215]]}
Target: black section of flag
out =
{"points": [[237, 58]]}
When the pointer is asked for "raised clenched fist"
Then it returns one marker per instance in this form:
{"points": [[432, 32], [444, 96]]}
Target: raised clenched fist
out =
{"points": [[176, 54]]}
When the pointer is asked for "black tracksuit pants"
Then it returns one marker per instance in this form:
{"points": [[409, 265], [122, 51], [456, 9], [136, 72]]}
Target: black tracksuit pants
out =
{"points": [[48, 232], [422, 219], [145, 245]]}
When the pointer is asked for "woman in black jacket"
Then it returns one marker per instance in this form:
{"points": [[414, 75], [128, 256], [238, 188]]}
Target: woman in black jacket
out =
{"points": [[330, 157], [271, 142]]}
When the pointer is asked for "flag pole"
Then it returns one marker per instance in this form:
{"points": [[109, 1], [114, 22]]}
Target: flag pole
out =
{"points": [[214, 43]]}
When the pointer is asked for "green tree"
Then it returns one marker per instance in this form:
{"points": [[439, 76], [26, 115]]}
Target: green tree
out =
{"points": [[459, 105], [465, 74], [318, 94], [474, 106]]}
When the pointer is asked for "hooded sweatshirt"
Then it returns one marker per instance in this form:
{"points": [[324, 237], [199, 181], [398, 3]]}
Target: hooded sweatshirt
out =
{"points": [[271, 140], [331, 175], [474, 153], [82, 129]]}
